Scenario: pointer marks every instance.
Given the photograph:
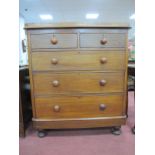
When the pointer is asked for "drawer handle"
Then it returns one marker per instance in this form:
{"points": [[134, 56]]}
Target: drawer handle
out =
{"points": [[103, 60], [54, 61], [102, 106], [103, 82], [56, 83], [54, 41], [103, 41], [56, 108]]}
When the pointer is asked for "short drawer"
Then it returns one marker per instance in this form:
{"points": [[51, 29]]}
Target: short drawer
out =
{"points": [[99, 40], [84, 60], [53, 41], [79, 106], [78, 82]]}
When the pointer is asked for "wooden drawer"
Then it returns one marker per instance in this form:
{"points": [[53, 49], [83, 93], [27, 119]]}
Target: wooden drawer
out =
{"points": [[84, 60], [78, 82], [99, 40], [79, 106], [54, 40]]}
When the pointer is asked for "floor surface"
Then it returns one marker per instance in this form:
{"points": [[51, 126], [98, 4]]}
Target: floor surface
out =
{"points": [[82, 142]]}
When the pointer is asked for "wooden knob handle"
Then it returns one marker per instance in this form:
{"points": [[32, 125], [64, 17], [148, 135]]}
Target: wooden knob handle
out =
{"points": [[56, 108], [102, 106], [103, 60], [103, 41], [103, 82], [55, 83], [54, 41], [54, 61]]}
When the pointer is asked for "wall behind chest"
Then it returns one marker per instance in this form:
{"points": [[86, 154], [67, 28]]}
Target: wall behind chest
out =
{"points": [[23, 56]]}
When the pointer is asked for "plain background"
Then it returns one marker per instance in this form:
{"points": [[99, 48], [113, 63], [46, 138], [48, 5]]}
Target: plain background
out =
{"points": [[145, 77]]}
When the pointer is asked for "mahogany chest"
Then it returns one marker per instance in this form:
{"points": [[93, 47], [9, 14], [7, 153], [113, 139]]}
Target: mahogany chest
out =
{"points": [[78, 75]]}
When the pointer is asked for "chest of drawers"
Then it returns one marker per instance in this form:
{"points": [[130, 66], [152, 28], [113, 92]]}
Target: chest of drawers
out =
{"points": [[78, 75]]}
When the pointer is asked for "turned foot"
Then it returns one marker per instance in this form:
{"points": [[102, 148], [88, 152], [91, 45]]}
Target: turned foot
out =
{"points": [[116, 130], [41, 133]]}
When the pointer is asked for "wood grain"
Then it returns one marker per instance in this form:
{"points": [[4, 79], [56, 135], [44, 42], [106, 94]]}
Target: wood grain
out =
{"points": [[78, 60], [78, 123], [79, 107], [43, 41], [76, 25], [125, 106], [93, 40], [77, 82], [30, 72]]}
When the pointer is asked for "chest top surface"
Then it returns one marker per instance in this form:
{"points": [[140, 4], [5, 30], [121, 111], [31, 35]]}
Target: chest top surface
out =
{"points": [[77, 25]]}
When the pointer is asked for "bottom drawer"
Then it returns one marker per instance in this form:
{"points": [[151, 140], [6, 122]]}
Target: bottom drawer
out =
{"points": [[79, 106]]}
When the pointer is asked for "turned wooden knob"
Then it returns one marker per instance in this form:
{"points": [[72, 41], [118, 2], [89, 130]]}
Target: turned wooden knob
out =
{"points": [[55, 83], [54, 41], [56, 108], [103, 41], [54, 61], [103, 82], [102, 106], [103, 60]]}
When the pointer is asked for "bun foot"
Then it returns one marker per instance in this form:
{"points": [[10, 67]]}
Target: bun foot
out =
{"points": [[41, 134], [116, 131]]}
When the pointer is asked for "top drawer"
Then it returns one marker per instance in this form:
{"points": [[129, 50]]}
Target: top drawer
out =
{"points": [[102, 40], [54, 40]]}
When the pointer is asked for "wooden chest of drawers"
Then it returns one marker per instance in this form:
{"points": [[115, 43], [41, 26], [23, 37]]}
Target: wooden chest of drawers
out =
{"points": [[78, 75]]}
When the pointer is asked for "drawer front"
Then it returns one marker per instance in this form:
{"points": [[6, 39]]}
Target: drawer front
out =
{"points": [[53, 41], [79, 107], [98, 40], [55, 83], [85, 60]]}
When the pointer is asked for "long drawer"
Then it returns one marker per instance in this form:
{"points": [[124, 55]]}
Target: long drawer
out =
{"points": [[78, 82], [84, 60], [102, 40], [79, 106], [54, 40]]}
